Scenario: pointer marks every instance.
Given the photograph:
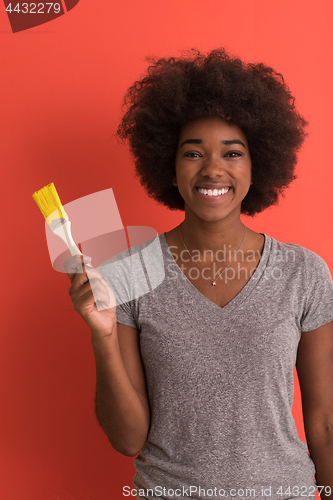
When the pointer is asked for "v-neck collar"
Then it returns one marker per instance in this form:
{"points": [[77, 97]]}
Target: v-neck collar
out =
{"points": [[194, 292]]}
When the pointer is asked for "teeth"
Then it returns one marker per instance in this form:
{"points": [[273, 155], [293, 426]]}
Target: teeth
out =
{"points": [[215, 192]]}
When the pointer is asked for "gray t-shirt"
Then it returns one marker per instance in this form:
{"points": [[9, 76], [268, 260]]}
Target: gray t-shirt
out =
{"points": [[220, 380]]}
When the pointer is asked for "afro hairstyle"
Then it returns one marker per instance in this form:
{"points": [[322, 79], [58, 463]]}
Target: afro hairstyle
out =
{"points": [[178, 90]]}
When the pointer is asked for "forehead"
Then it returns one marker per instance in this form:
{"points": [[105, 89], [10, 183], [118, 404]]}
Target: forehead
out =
{"points": [[206, 128]]}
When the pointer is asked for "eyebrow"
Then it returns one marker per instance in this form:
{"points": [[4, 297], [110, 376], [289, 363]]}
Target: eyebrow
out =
{"points": [[226, 142]]}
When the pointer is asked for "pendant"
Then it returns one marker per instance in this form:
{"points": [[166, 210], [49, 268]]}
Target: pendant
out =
{"points": [[213, 283]]}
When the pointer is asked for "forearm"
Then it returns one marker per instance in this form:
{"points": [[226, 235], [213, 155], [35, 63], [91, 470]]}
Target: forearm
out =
{"points": [[119, 408], [321, 452]]}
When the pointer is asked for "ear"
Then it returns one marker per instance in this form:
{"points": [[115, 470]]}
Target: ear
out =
{"points": [[174, 181]]}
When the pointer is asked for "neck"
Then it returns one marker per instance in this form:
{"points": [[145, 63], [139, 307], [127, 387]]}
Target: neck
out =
{"points": [[212, 236]]}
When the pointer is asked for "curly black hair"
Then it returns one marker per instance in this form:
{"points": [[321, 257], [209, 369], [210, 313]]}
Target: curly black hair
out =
{"points": [[178, 90]]}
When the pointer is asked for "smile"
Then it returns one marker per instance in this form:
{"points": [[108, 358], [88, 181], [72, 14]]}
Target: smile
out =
{"points": [[213, 194]]}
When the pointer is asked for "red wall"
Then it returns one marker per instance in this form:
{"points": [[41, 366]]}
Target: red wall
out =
{"points": [[62, 85]]}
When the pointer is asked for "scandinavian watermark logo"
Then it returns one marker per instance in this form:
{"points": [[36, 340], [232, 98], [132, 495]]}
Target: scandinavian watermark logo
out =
{"points": [[129, 257], [26, 15]]}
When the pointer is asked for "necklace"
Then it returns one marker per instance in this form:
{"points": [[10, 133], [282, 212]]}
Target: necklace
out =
{"points": [[219, 274]]}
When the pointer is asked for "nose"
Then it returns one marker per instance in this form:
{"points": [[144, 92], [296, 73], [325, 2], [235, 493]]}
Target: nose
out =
{"points": [[213, 167]]}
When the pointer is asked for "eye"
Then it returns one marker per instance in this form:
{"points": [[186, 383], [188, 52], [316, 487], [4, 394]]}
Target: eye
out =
{"points": [[233, 154], [193, 154]]}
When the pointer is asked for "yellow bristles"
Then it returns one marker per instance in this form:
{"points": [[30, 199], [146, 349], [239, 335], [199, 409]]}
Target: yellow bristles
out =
{"points": [[49, 203]]}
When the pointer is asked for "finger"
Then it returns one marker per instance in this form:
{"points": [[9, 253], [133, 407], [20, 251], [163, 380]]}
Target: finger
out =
{"points": [[80, 286], [92, 273], [74, 265], [108, 303], [78, 282], [84, 301], [104, 299], [96, 295], [83, 268]]}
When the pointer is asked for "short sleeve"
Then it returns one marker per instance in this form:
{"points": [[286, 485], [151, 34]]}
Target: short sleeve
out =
{"points": [[133, 274], [117, 274], [125, 316], [318, 308]]}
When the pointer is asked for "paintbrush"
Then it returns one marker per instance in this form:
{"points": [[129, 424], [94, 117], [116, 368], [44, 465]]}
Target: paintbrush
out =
{"points": [[50, 205]]}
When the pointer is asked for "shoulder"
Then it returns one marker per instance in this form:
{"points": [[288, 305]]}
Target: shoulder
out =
{"points": [[148, 246], [135, 271], [294, 255]]}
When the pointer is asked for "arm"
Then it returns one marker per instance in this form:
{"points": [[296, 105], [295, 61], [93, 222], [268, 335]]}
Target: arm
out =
{"points": [[121, 398], [122, 406], [315, 373]]}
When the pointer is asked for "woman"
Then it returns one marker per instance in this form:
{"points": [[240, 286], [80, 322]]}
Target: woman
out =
{"points": [[195, 375]]}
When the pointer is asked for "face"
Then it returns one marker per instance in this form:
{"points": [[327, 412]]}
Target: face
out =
{"points": [[212, 156]]}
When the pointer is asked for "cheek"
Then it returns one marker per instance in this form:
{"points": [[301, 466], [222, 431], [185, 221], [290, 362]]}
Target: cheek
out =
{"points": [[244, 170]]}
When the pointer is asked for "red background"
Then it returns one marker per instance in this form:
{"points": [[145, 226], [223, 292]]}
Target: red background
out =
{"points": [[61, 91]]}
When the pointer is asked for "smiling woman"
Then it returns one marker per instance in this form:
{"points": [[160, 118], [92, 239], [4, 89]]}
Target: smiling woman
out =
{"points": [[252, 96], [214, 164], [196, 376]]}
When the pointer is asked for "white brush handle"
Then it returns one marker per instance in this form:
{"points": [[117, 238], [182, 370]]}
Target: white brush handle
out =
{"points": [[62, 228], [64, 232]]}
